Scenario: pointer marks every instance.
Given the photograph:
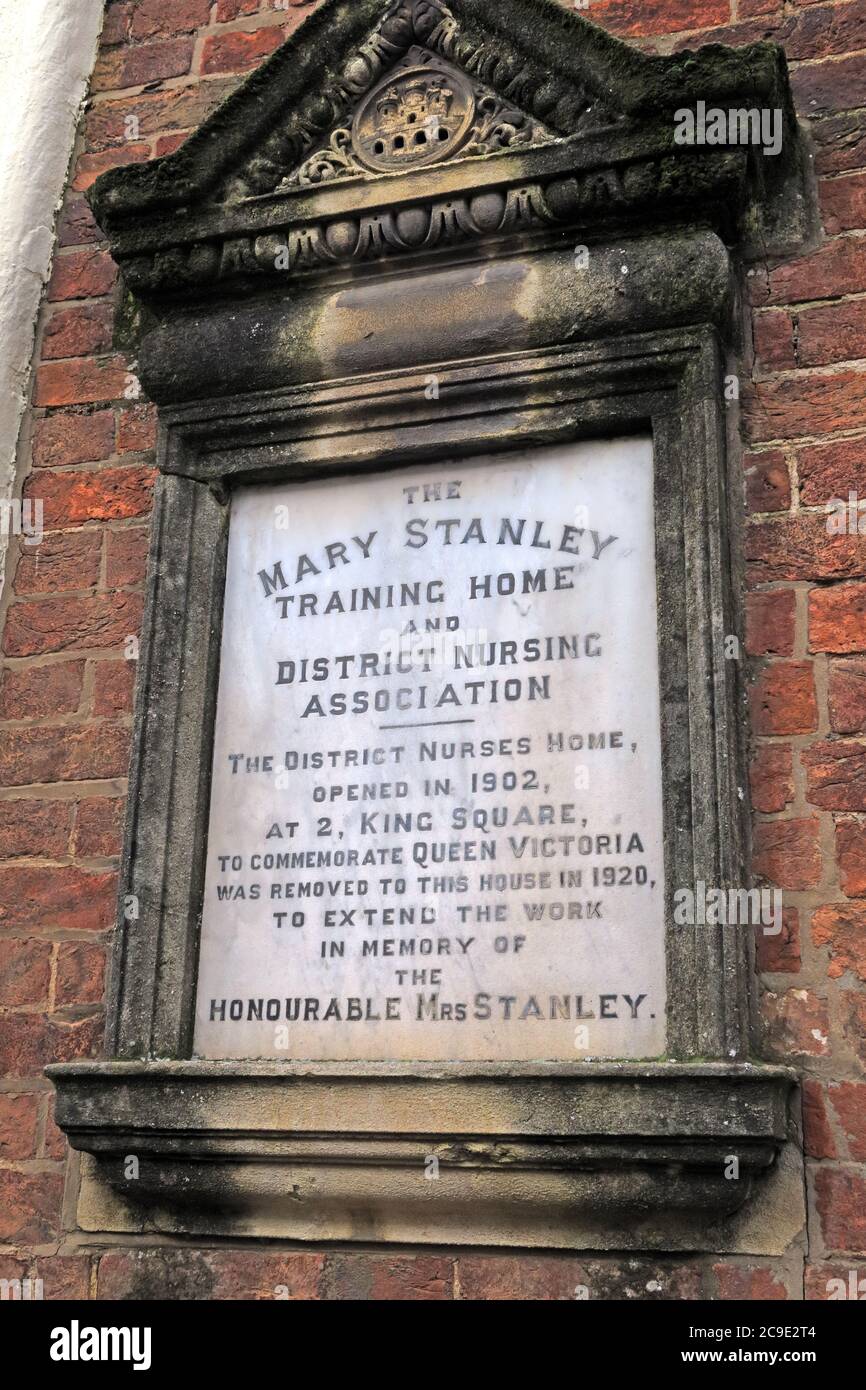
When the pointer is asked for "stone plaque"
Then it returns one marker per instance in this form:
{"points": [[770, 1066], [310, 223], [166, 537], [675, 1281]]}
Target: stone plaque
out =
{"points": [[436, 810]]}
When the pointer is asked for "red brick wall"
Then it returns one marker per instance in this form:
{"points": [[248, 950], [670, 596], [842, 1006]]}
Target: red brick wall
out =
{"points": [[73, 602]]}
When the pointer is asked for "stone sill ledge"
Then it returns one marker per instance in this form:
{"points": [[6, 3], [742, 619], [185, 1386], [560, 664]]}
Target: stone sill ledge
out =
{"points": [[587, 1155]]}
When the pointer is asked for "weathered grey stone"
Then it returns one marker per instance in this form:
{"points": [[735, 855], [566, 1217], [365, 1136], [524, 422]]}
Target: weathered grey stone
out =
{"points": [[625, 1156], [609, 108]]}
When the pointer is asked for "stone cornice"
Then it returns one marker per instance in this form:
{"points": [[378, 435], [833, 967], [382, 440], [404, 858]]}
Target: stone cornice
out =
{"points": [[231, 206], [586, 1156]]}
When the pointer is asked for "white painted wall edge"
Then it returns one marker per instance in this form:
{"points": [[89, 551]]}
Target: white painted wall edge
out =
{"points": [[47, 52]]}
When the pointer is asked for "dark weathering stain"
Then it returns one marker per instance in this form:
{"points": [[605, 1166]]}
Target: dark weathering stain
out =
{"points": [[470, 309]]}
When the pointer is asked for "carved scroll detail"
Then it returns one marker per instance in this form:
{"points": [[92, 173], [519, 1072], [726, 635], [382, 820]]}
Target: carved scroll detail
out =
{"points": [[423, 113], [514, 105]]}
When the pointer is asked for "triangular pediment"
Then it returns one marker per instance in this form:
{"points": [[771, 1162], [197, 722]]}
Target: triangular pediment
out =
{"points": [[538, 74], [383, 127], [419, 90], [422, 112]]}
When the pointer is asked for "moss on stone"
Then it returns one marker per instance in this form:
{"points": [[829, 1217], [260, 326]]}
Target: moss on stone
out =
{"points": [[302, 63], [538, 34]]}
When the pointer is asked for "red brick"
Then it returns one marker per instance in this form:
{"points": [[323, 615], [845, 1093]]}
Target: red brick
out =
{"points": [[847, 696], [831, 333], [228, 10], [852, 1017], [167, 144], [800, 547], [842, 927], [806, 404], [80, 973], [796, 1023], [745, 1282], [67, 438], [143, 63], [136, 429], [812, 31], [107, 78], [783, 699], [81, 380], [416, 1278], [818, 1141], [77, 332], [851, 854], [61, 562], [836, 268], [771, 778], [774, 340], [81, 275], [659, 16], [64, 1277], [836, 775], [25, 971], [114, 687], [844, 203], [29, 1042], [57, 897], [30, 1207], [104, 494], [77, 226], [63, 754], [788, 853], [99, 827], [770, 623], [12, 1269], [840, 142], [822, 28], [107, 75], [67, 624], [182, 108], [37, 829], [18, 1119], [54, 1140], [115, 28], [837, 619], [768, 486], [830, 471], [848, 1099], [840, 1196], [821, 89], [205, 1275], [747, 8], [35, 692], [240, 50], [780, 954], [127, 556], [550, 1278], [162, 18], [90, 166]]}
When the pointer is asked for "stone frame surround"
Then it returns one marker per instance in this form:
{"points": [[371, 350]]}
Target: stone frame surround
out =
{"points": [[325, 377]]}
